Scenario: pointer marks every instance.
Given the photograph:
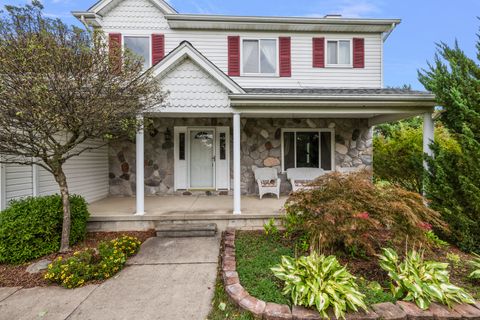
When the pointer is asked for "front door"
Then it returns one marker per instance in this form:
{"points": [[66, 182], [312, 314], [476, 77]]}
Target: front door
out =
{"points": [[202, 158]]}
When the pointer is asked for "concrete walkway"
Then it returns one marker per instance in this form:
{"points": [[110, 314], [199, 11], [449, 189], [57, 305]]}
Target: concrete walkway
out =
{"points": [[170, 279]]}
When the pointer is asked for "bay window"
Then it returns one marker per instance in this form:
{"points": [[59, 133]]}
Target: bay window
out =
{"points": [[259, 56], [305, 148]]}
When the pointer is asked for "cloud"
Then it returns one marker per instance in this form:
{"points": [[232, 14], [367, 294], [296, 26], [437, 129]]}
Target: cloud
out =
{"points": [[349, 8]]}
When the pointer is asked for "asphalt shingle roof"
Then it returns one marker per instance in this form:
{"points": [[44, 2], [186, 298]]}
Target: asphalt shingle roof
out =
{"points": [[334, 91]]}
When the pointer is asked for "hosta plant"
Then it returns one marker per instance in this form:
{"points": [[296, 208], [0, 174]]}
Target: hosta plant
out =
{"points": [[476, 266], [321, 282], [420, 281]]}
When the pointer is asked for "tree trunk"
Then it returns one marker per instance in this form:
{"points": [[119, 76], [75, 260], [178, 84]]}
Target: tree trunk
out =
{"points": [[62, 183]]}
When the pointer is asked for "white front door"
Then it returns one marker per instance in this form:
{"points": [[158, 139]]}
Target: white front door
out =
{"points": [[202, 158]]}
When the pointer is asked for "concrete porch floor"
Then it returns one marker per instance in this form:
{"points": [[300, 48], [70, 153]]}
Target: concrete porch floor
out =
{"points": [[117, 213], [194, 205]]}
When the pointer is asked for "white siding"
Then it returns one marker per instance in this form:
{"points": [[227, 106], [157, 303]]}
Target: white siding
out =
{"points": [[191, 89], [18, 181], [87, 175], [141, 17]]}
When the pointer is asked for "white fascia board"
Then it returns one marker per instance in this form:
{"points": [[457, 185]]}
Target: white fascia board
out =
{"points": [[200, 21], [333, 109], [358, 101], [186, 50], [100, 6]]}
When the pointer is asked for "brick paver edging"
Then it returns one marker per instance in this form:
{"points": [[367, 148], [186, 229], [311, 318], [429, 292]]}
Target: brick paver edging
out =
{"points": [[271, 311]]}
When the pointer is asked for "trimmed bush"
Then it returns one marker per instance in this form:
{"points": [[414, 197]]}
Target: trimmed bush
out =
{"points": [[350, 213], [32, 227]]}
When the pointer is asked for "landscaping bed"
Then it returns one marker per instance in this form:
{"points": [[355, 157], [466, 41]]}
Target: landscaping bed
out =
{"points": [[254, 253], [17, 276]]}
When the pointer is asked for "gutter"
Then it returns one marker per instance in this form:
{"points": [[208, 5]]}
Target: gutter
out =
{"points": [[390, 97], [387, 34]]}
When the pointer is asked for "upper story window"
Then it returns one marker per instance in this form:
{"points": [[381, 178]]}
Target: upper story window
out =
{"points": [[259, 56], [139, 46], [339, 53]]}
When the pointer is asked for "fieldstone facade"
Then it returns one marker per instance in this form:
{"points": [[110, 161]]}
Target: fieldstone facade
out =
{"points": [[261, 147]]}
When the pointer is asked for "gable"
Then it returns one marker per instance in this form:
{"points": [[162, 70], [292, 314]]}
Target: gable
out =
{"points": [[135, 15], [190, 86]]}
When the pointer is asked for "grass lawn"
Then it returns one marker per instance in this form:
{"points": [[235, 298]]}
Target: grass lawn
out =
{"points": [[256, 253]]}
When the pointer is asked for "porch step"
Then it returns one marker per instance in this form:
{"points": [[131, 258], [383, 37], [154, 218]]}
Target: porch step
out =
{"points": [[178, 230]]}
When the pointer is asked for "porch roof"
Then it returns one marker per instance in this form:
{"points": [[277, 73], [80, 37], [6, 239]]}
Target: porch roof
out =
{"points": [[376, 104]]}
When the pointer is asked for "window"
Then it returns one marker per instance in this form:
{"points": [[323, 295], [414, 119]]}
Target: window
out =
{"points": [[139, 46], [181, 146], [307, 149], [223, 146], [259, 56], [339, 52]]}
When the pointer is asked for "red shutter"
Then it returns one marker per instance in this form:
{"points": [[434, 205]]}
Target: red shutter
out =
{"points": [[115, 50], [318, 52], [285, 57], [158, 48], [358, 53], [234, 56]]}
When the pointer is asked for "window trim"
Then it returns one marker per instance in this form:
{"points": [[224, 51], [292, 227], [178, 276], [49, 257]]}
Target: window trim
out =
{"points": [[277, 58], [140, 35], [337, 65], [319, 130]]}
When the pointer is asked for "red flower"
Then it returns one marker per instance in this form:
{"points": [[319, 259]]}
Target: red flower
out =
{"points": [[425, 226], [362, 215]]}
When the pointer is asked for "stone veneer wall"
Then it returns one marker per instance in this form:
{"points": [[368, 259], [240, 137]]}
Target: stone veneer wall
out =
{"points": [[261, 146]]}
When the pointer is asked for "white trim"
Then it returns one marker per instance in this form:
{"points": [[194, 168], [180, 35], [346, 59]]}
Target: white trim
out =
{"points": [[259, 74], [319, 130], [186, 50], [139, 35], [237, 207], [140, 173], [3, 191], [338, 65], [188, 157], [160, 4], [35, 186]]}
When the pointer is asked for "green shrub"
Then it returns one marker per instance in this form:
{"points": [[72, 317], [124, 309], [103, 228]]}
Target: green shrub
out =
{"points": [[87, 265], [398, 153], [434, 240], [420, 281], [476, 266], [32, 227], [320, 282], [270, 228], [350, 213]]}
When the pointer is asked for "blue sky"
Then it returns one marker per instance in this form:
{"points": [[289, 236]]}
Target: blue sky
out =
{"points": [[424, 22]]}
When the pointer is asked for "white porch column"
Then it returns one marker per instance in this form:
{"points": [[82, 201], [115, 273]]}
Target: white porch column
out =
{"points": [[140, 181], [236, 164], [428, 135]]}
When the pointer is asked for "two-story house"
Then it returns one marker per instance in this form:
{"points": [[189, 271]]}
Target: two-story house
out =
{"points": [[246, 92]]}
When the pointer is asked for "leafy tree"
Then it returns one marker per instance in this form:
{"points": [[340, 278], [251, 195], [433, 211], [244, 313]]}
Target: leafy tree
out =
{"points": [[454, 177], [61, 86], [398, 152]]}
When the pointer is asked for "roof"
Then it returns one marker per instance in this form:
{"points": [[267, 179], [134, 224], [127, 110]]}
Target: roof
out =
{"points": [[337, 91], [187, 50], [381, 97], [325, 24], [258, 23]]}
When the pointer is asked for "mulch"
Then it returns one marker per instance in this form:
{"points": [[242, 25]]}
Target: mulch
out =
{"points": [[17, 276]]}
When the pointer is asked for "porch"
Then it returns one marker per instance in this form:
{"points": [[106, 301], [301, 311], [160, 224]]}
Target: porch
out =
{"points": [[117, 213]]}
